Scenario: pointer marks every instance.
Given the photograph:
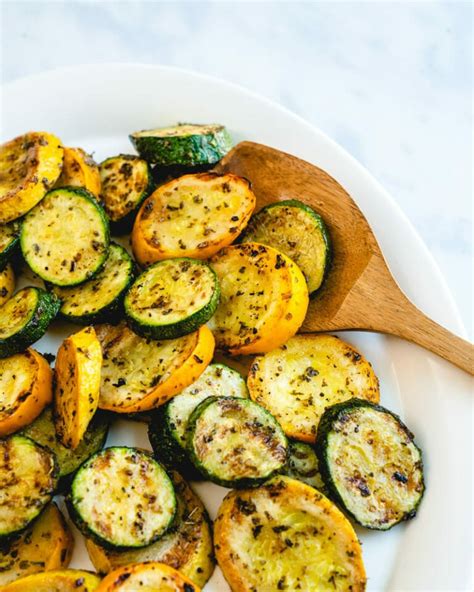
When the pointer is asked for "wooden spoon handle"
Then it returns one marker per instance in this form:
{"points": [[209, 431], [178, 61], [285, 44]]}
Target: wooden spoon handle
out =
{"points": [[409, 322]]}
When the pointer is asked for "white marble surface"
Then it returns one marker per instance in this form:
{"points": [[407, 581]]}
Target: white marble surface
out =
{"points": [[391, 82]]}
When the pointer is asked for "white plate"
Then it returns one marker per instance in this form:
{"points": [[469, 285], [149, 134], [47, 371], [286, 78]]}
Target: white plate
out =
{"points": [[97, 106]]}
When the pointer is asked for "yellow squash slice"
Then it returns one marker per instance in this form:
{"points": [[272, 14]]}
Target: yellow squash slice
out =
{"points": [[76, 396], [62, 580], [285, 535], [192, 216], [148, 577], [297, 381], [29, 166], [44, 546], [25, 389], [186, 547], [7, 284], [263, 302], [139, 374], [80, 170]]}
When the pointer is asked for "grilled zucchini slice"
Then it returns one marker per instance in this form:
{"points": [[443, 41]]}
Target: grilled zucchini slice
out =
{"points": [[172, 298], [295, 229], [370, 463], [147, 576], [297, 381], [76, 392], [28, 474], [44, 546], [234, 442], [79, 170], [187, 546], [303, 465], [167, 430], [122, 498], [263, 301], [43, 431], [7, 284], [24, 319], [126, 181], [101, 298], [139, 374], [65, 254], [286, 535], [193, 216], [63, 580], [9, 240], [183, 144], [25, 389], [29, 166]]}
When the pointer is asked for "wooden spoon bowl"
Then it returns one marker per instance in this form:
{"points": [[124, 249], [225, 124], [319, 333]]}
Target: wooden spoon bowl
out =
{"points": [[359, 293]]}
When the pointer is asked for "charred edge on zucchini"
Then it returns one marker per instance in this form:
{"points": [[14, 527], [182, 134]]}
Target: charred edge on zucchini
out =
{"points": [[100, 299], [172, 298], [9, 241], [391, 489], [24, 319], [183, 144], [235, 443], [126, 181]]}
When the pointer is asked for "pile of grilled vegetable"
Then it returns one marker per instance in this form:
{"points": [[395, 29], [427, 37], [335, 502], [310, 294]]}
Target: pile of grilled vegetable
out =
{"points": [[195, 332]]}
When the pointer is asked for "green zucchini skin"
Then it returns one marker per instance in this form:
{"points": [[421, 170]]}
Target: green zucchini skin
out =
{"points": [[117, 261], [122, 474], [43, 432], [115, 173], [99, 244], [184, 144], [258, 423], [9, 243], [36, 320], [267, 226], [331, 424], [171, 270], [167, 430], [37, 495]]}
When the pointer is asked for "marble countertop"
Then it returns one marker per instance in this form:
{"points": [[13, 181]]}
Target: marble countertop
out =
{"points": [[391, 82]]}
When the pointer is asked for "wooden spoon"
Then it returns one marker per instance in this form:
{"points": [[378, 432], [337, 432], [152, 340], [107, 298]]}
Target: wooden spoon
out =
{"points": [[359, 293]]}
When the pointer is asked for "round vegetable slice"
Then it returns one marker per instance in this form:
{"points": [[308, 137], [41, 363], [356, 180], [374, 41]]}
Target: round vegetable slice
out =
{"points": [[29, 166], [7, 284], [9, 240], [370, 463], [295, 229], [168, 428], [122, 497], [100, 298], [139, 374], [65, 580], [44, 546], [65, 239], [187, 546], [43, 431], [77, 386], [297, 381], [193, 216], [28, 474], [183, 144], [126, 181], [263, 301], [147, 576], [24, 319], [234, 442], [303, 465], [172, 298], [285, 535], [25, 389], [79, 170]]}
